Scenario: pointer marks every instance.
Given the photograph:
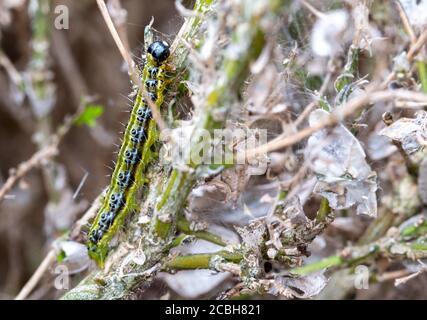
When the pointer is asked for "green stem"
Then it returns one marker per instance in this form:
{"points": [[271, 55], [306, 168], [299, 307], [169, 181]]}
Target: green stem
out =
{"points": [[358, 255], [377, 228], [317, 266], [224, 91], [178, 188], [422, 73], [350, 70], [200, 261], [185, 227], [167, 192], [419, 246], [178, 241], [324, 210], [414, 230]]}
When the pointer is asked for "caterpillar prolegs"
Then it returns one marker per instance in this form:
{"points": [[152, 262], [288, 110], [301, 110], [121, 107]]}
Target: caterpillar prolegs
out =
{"points": [[133, 157]]}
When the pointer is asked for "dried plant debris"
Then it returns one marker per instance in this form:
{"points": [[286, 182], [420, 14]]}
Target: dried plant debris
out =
{"points": [[404, 198], [73, 256], [326, 39], [253, 234], [283, 223], [302, 288], [379, 147], [410, 132], [416, 10], [343, 175]]}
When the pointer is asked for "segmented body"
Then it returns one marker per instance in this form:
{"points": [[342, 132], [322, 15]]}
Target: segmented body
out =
{"points": [[134, 155]]}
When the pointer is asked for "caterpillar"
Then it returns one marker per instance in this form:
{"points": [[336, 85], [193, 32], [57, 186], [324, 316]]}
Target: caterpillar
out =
{"points": [[134, 155]]}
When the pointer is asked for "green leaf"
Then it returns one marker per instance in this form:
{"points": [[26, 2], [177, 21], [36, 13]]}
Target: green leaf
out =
{"points": [[89, 115], [61, 256], [323, 104]]}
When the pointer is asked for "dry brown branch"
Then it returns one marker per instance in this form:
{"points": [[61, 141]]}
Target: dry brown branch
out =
{"points": [[35, 161], [310, 107], [406, 23], [133, 73], [417, 46], [372, 95], [29, 286], [337, 116], [312, 9], [50, 257], [41, 156], [413, 51]]}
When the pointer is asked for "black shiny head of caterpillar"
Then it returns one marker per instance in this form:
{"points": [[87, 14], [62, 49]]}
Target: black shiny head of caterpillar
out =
{"points": [[159, 50]]}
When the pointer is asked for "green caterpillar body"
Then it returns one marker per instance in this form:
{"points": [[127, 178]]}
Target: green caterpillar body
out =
{"points": [[133, 158]]}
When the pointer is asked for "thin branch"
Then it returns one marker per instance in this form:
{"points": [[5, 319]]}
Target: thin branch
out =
{"points": [[35, 161], [313, 10], [417, 46], [35, 278], [413, 51], [201, 260], [337, 116], [50, 257], [41, 156], [384, 246], [315, 103], [125, 53], [185, 227], [392, 275], [119, 15], [133, 73], [405, 21]]}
